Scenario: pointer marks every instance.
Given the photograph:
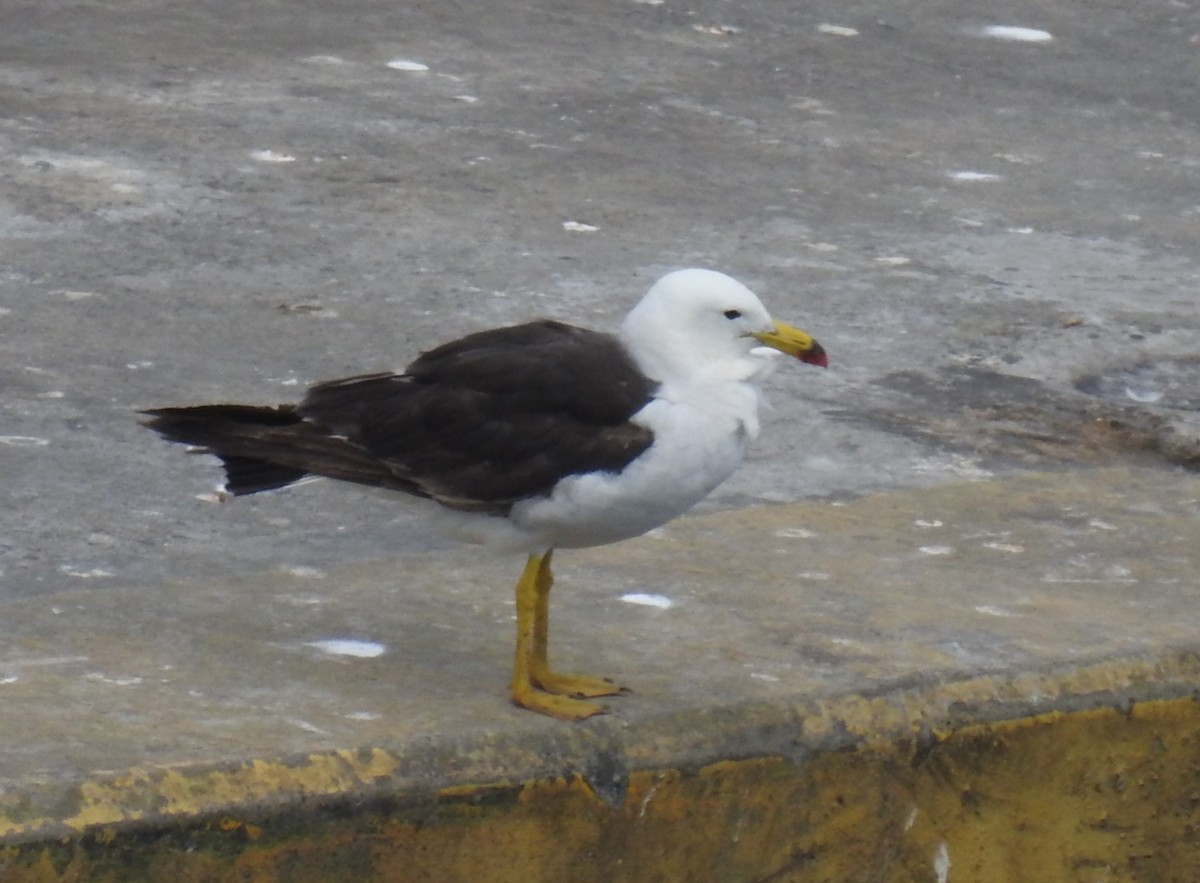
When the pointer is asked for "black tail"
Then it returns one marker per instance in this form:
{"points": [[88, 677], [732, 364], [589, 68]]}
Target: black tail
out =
{"points": [[243, 436], [267, 448]]}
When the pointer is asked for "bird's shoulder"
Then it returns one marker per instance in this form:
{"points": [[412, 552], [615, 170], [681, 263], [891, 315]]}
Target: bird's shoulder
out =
{"points": [[541, 367], [544, 356]]}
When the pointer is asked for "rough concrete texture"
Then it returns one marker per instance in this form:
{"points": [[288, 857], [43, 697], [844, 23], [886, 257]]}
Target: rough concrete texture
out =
{"points": [[994, 239], [207, 200], [890, 623], [1028, 575], [1103, 794]]}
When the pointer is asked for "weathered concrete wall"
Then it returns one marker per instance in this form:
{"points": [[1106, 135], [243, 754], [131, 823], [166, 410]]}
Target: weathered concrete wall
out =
{"points": [[1105, 794], [1004, 684]]}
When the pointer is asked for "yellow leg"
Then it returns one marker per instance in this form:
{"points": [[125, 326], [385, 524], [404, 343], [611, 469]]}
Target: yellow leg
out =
{"points": [[534, 685], [576, 686]]}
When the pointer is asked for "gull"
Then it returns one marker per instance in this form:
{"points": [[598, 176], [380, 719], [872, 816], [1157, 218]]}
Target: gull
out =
{"points": [[533, 437]]}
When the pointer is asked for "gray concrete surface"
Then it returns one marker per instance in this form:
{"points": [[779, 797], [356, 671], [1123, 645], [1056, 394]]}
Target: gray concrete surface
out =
{"points": [[994, 239], [207, 200], [791, 629]]}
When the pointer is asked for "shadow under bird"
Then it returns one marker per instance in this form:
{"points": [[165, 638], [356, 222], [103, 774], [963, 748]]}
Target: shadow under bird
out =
{"points": [[533, 437]]}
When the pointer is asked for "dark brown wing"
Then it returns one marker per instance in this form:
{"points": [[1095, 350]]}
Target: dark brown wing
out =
{"points": [[495, 417], [476, 424]]}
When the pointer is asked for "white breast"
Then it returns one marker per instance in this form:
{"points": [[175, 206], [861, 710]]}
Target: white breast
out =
{"points": [[699, 441]]}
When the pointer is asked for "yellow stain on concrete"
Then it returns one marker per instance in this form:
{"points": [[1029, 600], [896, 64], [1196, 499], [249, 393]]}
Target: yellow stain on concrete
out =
{"points": [[137, 794], [1093, 795]]}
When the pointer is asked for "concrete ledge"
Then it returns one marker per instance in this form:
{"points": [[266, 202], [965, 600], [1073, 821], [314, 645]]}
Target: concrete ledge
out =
{"points": [[1071, 753], [894, 787]]}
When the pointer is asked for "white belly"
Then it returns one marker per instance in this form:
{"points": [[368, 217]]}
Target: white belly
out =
{"points": [[697, 445]]}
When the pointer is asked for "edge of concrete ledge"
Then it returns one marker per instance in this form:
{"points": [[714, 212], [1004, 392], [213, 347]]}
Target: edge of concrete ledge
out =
{"points": [[601, 753]]}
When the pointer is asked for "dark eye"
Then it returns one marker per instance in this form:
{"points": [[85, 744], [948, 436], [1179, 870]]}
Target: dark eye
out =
{"points": [[733, 314]]}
